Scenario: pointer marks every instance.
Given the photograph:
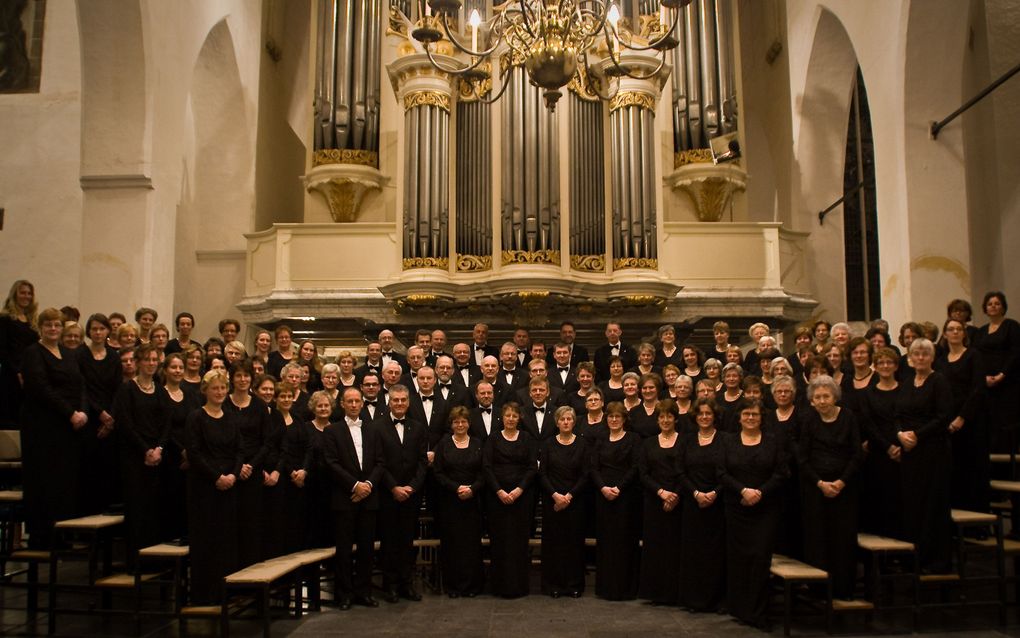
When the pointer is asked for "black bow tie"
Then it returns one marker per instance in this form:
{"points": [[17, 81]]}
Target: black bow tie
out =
{"points": [[428, 398], [477, 347], [486, 410], [398, 421], [564, 369], [369, 404], [542, 410], [445, 385]]}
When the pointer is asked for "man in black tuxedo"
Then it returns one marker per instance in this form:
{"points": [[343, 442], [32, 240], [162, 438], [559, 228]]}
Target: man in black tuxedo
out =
{"points": [[465, 372], [415, 361], [537, 415], [490, 374], [429, 408], [562, 375], [437, 347], [537, 370], [386, 340], [373, 361], [403, 481], [511, 377], [371, 391], [480, 347], [353, 455], [522, 339], [614, 348], [578, 353], [485, 418], [453, 393], [390, 377]]}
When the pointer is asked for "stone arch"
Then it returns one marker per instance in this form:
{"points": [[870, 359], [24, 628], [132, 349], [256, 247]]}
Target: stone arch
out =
{"points": [[821, 141]]}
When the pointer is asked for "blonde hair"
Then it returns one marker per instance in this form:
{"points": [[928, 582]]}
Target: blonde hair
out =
{"points": [[11, 305]]}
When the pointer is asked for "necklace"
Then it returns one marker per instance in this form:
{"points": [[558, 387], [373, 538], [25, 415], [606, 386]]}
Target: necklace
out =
{"points": [[706, 437], [146, 388], [861, 378]]}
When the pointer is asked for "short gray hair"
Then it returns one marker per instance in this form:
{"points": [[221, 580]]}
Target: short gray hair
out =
{"points": [[823, 381]]}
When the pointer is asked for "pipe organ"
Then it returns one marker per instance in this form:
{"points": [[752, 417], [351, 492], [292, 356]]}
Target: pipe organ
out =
{"points": [[630, 121], [587, 196], [474, 186]]}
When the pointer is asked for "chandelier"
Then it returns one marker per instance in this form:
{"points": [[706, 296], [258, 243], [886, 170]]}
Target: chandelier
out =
{"points": [[551, 38]]}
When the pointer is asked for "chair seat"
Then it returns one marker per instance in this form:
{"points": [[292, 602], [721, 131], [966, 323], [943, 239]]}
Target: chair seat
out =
{"points": [[265, 572], [968, 517], [11, 496], [96, 521], [790, 569], [1005, 486], [164, 550], [852, 605], [874, 543], [122, 580]]}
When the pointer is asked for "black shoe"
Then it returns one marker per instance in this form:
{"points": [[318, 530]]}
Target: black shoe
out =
{"points": [[390, 596], [409, 593], [343, 604], [555, 594], [366, 601], [453, 594], [470, 594], [575, 594]]}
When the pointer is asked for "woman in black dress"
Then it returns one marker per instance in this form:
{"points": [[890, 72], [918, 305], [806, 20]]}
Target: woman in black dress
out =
{"points": [[277, 527], [458, 470], [644, 416], [703, 522], [284, 352], [180, 401], [318, 486], [585, 382], [880, 473], [614, 473], [289, 510], [308, 355], [262, 346], [668, 353], [17, 332], [968, 430], [194, 368], [645, 360], [214, 462], [693, 361], [924, 409], [593, 419], [752, 470], [829, 455], [143, 425], [612, 388], [53, 413], [660, 553], [563, 472], [252, 420], [783, 421], [510, 459], [730, 399], [99, 483], [998, 346]]}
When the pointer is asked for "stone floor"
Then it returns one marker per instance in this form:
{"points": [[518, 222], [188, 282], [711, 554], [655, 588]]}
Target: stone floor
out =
{"points": [[533, 616]]}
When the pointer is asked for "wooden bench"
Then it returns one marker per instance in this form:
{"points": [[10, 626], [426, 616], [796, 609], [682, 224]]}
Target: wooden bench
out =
{"points": [[879, 548], [31, 558], [965, 520], [96, 532], [793, 572]]}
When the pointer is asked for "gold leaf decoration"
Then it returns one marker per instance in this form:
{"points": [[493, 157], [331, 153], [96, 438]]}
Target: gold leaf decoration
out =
{"points": [[588, 263], [583, 85], [411, 263], [525, 257], [466, 90], [427, 98], [692, 156], [632, 98], [635, 262], [345, 156], [473, 263]]}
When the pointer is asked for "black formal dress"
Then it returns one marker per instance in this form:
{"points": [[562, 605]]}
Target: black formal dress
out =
{"points": [[790, 534], [829, 452], [617, 555], [460, 520], [642, 423], [355, 521], [609, 393], [404, 463], [751, 530], [703, 529], [660, 552], [880, 511], [509, 465], [275, 528], [15, 337], [927, 470], [563, 469], [173, 479], [50, 447], [675, 358], [295, 454], [970, 445], [1000, 352], [253, 429], [213, 450], [319, 517], [276, 362], [628, 356], [99, 484]]}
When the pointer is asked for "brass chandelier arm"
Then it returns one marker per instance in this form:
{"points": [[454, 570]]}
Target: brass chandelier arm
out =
{"points": [[479, 54], [605, 97], [662, 62], [503, 84], [654, 43], [451, 71]]}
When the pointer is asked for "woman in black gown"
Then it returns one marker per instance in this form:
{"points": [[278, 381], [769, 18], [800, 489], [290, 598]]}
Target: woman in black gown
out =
{"points": [[252, 420], [703, 522], [968, 430], [783, 421], [52, 414], [644, 416], [563, 472], [510, 459], [829, 455], [752, 470], [17, 332], [668, 353], [180, 401], [284, 352], [585, 382], [998, 345], [614, 473], [289, 512], [143, 424], [924, 409], [458, 470], [612, 388], [660, 553], [214, 462], [880, 473], [318, 485], [99, 482], [593, 419], [274, 528]]}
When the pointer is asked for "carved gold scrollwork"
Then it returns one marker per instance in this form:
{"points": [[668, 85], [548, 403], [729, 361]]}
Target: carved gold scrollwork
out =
{"points": [[345, 156], [583, 85], [711, 196], [588, 263], [635, 262], [525, 257], [467, 92], [472, 263], [511, 58], [427, 98], [397, 24], [410, 263], [692, 156], [632, 98]]}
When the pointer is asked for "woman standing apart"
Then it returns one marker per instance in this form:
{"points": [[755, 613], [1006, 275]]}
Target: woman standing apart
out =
{"points": [[703, 527], [660, 555], [53, 412], [998, 344], [753, 468], [830, 454], [924, 409], [214, 459], [510, 461], [17, 332], [458, 470], [563, 471]]}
